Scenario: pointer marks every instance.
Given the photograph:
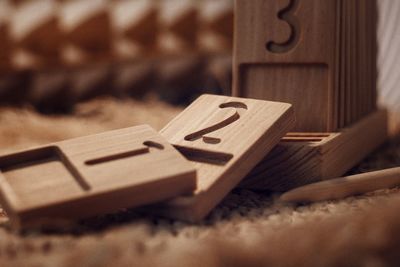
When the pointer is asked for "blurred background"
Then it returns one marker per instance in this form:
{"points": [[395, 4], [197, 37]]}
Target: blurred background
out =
{"points": [[56, 53]]}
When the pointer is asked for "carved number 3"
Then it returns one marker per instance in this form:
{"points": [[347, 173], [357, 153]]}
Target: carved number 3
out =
{"points": [[213, 140], [286, 15]]}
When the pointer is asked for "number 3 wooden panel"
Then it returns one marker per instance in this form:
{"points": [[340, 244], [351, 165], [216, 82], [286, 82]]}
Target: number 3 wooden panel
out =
{"points": [[91, 175], [285, 51], [318, 55], [224, 137], [321, 57]]}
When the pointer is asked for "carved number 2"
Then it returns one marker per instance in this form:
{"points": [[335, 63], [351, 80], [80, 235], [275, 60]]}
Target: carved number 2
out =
{"points": [[286, 15], [213, 140]]}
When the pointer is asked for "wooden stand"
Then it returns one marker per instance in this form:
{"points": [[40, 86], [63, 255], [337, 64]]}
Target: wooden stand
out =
{"points": [[303, 158]]}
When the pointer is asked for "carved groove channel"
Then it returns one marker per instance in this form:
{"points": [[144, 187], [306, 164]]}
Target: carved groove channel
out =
{"points": [[127, 154], [213, 140]]}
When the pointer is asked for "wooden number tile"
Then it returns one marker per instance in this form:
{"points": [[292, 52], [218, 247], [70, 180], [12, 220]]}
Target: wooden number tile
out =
{"points": [[224, 137], [285, 51], [91, 175]]}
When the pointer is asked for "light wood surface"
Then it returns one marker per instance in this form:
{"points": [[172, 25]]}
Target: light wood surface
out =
{"points": [[345, 186], [389, 60], [136, 21], [224, 137], [311, 53], [303, 158], [91, 175]]}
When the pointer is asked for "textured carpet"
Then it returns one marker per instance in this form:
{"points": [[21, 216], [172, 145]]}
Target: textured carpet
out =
{"points": [[247, 229]]}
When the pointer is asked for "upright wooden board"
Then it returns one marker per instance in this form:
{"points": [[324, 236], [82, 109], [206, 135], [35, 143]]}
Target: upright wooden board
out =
{"points": [[5, 46], [224, 137], [91, 175], [285, 51], [319, 54]]}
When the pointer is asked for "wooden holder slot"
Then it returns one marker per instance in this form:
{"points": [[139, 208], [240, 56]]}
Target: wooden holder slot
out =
{"points": [[303, 158]]}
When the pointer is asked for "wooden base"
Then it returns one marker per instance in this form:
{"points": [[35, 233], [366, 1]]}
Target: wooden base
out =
{"points": [[303, 158]]}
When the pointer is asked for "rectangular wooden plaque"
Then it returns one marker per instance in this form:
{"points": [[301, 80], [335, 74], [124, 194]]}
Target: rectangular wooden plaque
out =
{"points": [[91, 175], [319, 56], [224, 137]]}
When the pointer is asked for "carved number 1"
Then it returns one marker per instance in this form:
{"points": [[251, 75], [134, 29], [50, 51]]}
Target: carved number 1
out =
{"points": [[286, 15]]}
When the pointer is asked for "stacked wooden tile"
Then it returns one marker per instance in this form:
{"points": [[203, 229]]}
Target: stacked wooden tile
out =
{"points": [[355, 92], [80, 48]]}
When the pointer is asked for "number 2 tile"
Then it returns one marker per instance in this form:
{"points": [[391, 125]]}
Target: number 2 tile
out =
{"points": [[224, 137]]}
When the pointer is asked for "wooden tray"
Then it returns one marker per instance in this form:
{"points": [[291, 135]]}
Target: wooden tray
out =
{"points": [[302, 158]]}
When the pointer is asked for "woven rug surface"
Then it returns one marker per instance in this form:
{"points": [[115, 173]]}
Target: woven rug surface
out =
{"points": [[247, 229]]}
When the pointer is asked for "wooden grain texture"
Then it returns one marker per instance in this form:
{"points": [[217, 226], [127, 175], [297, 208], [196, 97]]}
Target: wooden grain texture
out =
{"points": [[344, 187], [303, 158], [224, 137], [91, 175], [389, 59], [290, 73], [319, 54]]}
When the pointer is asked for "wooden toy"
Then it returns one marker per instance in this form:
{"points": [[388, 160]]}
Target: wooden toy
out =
{"points": [[179, 26], [50, 91], [137, 22], [219, 69], [224, 137], [344, 187], [91, 175], [5, 46], [314, 54], [216, 25], [35, 34], [89, 81], [66, 37], [320, 56], [179, 77], [86, 25], [302, 158], [133, 78], [13, 86], [389, 61]]}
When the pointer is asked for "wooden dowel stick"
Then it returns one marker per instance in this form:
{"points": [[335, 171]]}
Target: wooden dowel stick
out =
{"points": [[345, 186]]}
